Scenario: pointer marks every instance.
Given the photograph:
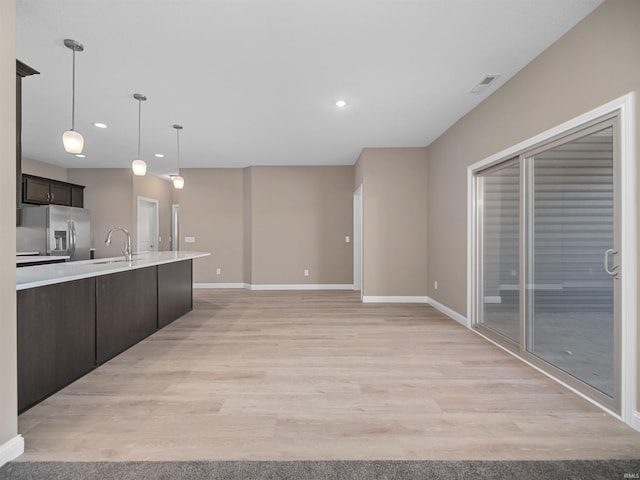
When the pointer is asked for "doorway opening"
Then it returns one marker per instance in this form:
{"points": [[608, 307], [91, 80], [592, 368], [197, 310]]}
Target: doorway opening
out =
{"points": [[147, 232], [175, 231]]}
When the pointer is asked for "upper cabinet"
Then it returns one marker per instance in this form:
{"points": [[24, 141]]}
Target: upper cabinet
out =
{"points": [[41, 191]]}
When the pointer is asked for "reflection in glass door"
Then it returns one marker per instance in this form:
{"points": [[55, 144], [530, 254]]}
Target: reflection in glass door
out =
{"points": [[547, 245], [500, 304], [570, 295]]}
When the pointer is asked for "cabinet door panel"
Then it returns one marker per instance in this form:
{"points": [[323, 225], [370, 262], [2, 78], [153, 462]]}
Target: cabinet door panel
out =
{"points": [[35, 190], [77, 196], [175, 293], [127, 310], [56, 338], [60, 193]]}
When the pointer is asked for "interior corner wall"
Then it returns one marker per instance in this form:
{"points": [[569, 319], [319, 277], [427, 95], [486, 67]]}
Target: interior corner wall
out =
{"points": [[394, 240], [211, 211], [299, 219], [155, 188], [592, 64], [8, 342], [109, 196], [247, 219]]}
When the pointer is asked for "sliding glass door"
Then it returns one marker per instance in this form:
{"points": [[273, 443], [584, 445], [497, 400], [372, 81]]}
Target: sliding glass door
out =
{"points": [[500, 239], [553, 212]]}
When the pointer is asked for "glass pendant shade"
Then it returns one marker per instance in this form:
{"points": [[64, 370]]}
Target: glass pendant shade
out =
{"points": [[178, 182], [139, 167], [73, 141]]}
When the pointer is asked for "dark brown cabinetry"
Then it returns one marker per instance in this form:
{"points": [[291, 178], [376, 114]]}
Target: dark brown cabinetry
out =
{"points": [[56, 338], [126, 310], [175, 293], [42, 191], [77, 196], [67, 329]]}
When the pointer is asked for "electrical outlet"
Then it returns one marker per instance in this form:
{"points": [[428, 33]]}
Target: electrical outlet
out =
{"points": [[218, 271], [189, 239], [435, 285], [347, 239], [306, 272]]}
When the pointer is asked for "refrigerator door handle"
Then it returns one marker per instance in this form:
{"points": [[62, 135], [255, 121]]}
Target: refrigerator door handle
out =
{"points": [[72, 232]]}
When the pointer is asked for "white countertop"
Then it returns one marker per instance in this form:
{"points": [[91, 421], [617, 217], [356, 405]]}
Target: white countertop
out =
{"points": [[39, 258], [40, 275]]}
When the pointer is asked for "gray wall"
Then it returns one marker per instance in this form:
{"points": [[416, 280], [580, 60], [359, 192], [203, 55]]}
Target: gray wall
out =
{"points": [[109, 196], [8, 368], [394, 198], [299, 219], [594, 63]]}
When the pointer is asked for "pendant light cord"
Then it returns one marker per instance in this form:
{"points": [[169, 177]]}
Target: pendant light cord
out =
{"points": [[178, 143], [73, 92], [139, 123]]}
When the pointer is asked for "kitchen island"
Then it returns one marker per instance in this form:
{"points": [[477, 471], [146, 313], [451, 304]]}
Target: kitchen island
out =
{"points": [[75, 316]]}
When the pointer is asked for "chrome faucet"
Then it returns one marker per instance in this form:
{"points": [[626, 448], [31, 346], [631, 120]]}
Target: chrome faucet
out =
{"points": [[127, 243]]}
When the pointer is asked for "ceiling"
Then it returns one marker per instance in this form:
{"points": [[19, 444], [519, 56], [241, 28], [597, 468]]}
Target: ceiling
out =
{"points": [[255, 82]]}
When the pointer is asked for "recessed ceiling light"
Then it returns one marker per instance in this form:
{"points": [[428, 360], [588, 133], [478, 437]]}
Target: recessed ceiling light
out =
{"points": [[80, 155], [100, 125], [159, 155], [341, 103]]}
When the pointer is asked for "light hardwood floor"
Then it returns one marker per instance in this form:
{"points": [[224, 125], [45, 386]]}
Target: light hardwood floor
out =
{"points": [[319, 376]]}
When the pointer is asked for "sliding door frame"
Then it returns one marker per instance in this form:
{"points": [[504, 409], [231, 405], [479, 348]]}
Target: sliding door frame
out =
{"points": [[623, 109]]}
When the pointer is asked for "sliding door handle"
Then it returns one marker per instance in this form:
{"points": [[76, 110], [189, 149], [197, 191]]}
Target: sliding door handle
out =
{"points": [[611, 271]]}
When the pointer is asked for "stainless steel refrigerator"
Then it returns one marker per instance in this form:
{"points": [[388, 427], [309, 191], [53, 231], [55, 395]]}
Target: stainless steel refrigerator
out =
{"points": [[55, 230]]}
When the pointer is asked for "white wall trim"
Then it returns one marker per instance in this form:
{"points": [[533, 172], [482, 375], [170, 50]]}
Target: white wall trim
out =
{"points": [[635, 422], [301, 286], [220, 285], [156, 233], [11, 449], [458, 317], [394, 299], [628, 271], [268, 286]]}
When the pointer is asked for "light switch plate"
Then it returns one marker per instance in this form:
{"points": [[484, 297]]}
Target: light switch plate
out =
{"points": [[189, 239]]}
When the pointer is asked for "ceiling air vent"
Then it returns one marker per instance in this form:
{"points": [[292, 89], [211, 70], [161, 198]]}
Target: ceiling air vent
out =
{"points": [[482, 85]]}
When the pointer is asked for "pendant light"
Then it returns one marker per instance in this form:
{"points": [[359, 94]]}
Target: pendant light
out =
{"points": [[139, 166], [72, 140], [178, 181]]}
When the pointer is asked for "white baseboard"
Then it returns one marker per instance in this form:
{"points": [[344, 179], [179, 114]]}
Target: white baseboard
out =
{"points": [[635, 421], [268, 286], [11, 450], [394, 299], [220, 285], [448, 312], [301, 286]]}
